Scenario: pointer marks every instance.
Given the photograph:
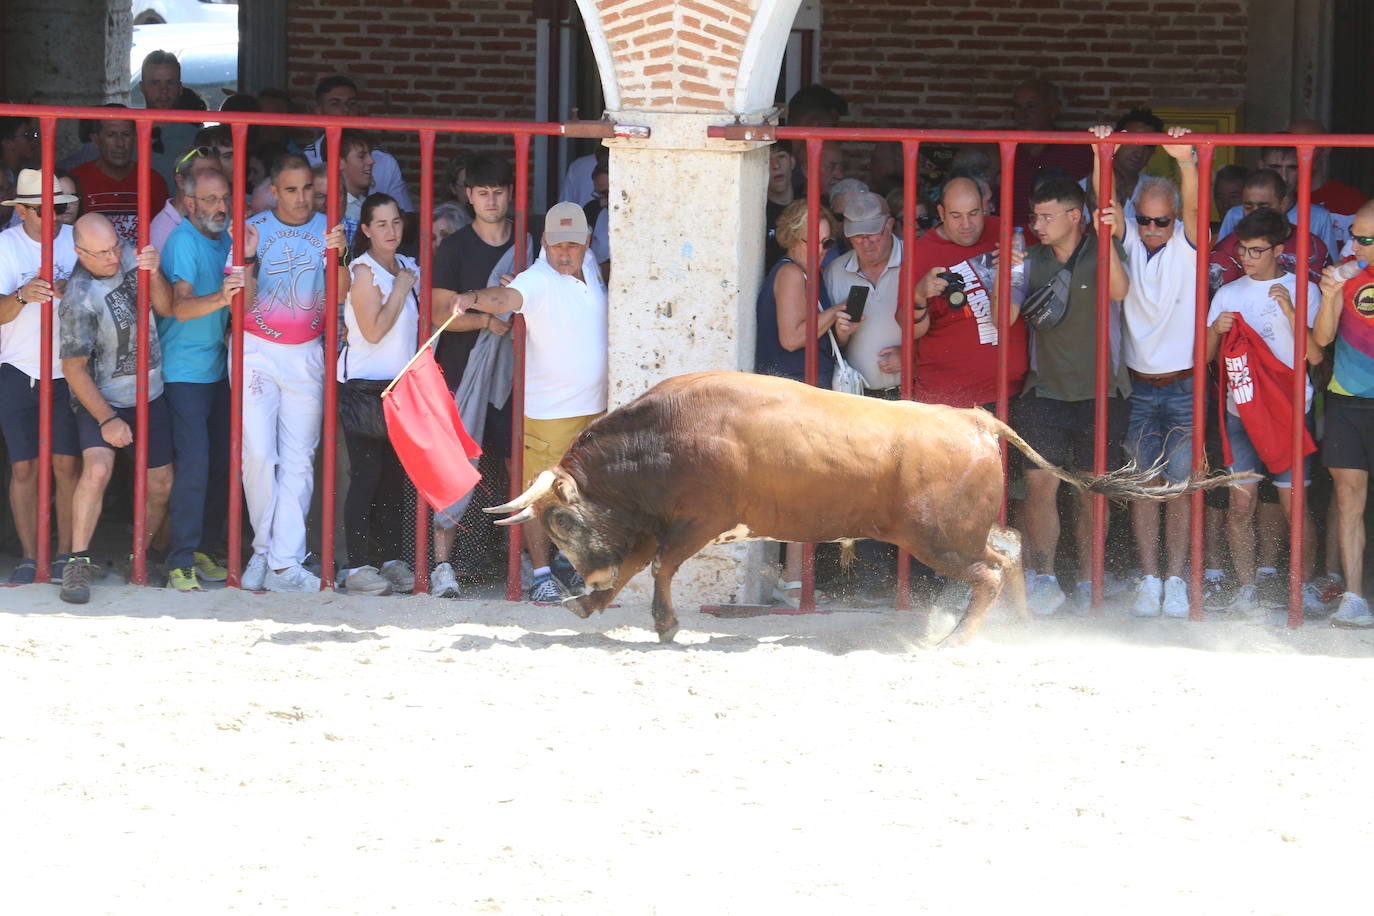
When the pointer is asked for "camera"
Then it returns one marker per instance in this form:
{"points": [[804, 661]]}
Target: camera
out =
{"points": [[954, 289]]}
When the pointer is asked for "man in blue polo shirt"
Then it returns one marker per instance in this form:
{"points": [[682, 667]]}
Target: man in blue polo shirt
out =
{"points": [[194, 372]]}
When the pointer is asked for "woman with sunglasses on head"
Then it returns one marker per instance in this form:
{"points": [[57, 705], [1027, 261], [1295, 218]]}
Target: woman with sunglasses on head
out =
{"points": [[195, 161], [780, 345], [382, 316]]}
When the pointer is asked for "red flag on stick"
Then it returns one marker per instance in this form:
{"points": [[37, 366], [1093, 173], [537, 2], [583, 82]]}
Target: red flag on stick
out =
{"points": [[424, 427]]}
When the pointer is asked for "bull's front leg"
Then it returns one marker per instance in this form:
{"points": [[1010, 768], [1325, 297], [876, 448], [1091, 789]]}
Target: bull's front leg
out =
{"points": [[665, 619], [598, 600]]}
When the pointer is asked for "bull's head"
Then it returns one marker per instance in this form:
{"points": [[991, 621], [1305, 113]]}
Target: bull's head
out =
{"points": [[574, 524]]}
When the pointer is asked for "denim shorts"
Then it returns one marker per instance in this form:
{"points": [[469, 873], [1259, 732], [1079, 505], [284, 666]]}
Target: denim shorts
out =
{"points": [[1244, 457], [1161, 427]]}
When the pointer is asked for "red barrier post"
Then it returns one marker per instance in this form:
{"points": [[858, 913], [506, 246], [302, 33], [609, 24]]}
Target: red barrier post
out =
{"points": [[1196, 509], [517, 395], [1006, 203], [330, 420], [1101, 368], [234, 534], [1298, 491], [139, 574], [43, 548], [425, 329], [906, 298], [807, 604]]}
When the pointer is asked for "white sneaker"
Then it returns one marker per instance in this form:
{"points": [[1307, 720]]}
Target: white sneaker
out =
{"points": [[1312, 603], [254, 573], [1244, 602], [1081, 604], [1353, 612], [1045, 596], [442, 582], [1176, 603], [399, 575], [292, 579], [1147, 595], [365, 580]]}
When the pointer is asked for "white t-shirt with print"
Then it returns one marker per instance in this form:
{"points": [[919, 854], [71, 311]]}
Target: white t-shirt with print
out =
{"points": [[1159, 309], [1250, 300], [565, 347], [20, 259]]}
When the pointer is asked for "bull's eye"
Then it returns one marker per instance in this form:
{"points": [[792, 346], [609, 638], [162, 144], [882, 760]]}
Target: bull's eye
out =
{"points": [[559, 523]]}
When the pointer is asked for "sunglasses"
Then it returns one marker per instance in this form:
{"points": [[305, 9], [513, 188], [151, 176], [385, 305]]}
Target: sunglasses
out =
{"points": [[57, 209], [1163, 222], [208, 151], [827, 244], [1363, 239], [924, 222]]}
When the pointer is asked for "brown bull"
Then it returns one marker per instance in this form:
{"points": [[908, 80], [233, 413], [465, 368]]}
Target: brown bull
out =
{"points": [[727, 456]]}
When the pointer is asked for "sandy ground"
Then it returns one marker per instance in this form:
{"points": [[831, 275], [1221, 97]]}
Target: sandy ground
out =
{"points": [[220, 752]]}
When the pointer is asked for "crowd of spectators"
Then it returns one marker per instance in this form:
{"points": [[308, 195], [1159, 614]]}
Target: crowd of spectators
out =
{"points": [[1053, 321]]}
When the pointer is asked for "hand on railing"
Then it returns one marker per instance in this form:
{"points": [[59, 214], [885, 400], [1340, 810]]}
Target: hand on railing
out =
{"points": [[335, 239], [1184, 153], [233, 282], [36, 291], [148, 259]]}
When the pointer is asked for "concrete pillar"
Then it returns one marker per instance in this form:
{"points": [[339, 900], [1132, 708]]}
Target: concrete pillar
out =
{"points": [[67, 52], [686, 234]]}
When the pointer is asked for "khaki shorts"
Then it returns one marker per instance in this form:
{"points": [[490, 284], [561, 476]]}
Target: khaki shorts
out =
{"points": [[547, 440]]}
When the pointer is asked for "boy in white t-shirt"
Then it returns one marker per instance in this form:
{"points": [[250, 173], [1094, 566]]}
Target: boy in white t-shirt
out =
{"points": [[564, 304], [1266, 299], [22, 294]]}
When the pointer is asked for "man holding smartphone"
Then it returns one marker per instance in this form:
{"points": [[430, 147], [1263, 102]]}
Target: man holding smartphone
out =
{"points": [[874, 264], [956, 355]]}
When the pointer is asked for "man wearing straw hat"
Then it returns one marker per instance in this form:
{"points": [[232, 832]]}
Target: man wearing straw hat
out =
{"points": [[564, 303], [21, 315]]}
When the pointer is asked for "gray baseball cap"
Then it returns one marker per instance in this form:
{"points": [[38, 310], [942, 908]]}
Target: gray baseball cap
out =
{"points": [[863, 215]]}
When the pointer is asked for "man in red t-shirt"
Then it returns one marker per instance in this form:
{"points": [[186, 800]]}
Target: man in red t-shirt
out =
{"points": [[109, 183], [956, 354], [1263, 189], [1035, 106]]}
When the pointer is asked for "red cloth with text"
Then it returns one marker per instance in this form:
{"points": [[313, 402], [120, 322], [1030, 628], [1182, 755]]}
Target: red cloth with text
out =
{"points": [[423, 425], [1262, 388]]}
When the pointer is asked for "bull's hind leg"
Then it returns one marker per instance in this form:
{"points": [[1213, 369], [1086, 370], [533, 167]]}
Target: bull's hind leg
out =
{"points": [[1007, 541], [638, 558], [986, 577]]}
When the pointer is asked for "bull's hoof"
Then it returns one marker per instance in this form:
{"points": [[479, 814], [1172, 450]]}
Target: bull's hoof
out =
{"points": [[957, 639], [666, 636], [578, 606]]}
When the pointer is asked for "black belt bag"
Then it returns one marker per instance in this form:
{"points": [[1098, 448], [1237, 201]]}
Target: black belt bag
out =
{"points": [[360, 405]]}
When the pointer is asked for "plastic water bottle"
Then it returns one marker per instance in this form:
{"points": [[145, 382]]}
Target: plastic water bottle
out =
{"points": [[1350, 269], [1018, 245]]}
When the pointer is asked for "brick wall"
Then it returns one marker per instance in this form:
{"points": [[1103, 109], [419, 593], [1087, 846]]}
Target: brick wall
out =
{"points": [[954, 62], [427, 58], [676, 55]]}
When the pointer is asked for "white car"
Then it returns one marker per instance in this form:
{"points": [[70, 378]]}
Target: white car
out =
{"points": [[151, 12], [209, 57]]}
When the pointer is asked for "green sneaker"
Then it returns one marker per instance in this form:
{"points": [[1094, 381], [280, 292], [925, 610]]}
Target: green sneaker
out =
{"points": [[183, 580], [208, 569]]}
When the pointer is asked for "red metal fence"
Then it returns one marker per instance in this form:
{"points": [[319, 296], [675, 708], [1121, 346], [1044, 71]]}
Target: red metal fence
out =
{"points": [[426, 129], [1007, 141]]}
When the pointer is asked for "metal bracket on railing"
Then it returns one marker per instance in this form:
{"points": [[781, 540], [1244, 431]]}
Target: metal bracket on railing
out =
{"points": [[604, 129], [632, 132], [761, 133]]}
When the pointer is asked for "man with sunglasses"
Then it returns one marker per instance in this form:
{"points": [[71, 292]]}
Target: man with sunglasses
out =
{"points": [[1263, 190], [21, 311], [196, 161], [1159, 236], [956, 355], [1346, 316]]}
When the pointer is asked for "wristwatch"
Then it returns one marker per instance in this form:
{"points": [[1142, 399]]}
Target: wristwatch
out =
{"points": [[19, 294]]}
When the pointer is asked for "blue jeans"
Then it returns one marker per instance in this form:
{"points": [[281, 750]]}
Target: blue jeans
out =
{"points": [[200, 444], [1244, 457], [1161, 428]]}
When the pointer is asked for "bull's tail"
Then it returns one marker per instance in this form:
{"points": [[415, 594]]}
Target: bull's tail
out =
{"points": [[1125, 483]]}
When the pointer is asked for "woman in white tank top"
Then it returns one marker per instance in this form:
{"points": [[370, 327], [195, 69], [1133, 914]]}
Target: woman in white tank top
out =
{"points": [[381, 315]]}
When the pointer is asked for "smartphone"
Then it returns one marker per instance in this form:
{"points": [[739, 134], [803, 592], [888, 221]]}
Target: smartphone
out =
{"points": [[854, 305]]}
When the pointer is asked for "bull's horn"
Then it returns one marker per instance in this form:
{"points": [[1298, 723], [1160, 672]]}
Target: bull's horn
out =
{"points": [[523, 515], [539, 489]]}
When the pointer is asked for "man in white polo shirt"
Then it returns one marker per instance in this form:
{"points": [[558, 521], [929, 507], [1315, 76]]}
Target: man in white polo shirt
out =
{"points": [[22, 294], [1160, 239], [564, 304]]}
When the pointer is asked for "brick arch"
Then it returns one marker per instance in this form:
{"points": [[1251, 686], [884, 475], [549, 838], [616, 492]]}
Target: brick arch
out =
{"points": [[688, 55]]}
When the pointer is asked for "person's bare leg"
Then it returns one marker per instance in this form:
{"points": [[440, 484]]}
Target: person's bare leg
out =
{"points": [[1332, 547], [1083, 533], [1214, 536], [1042, 520], [97, 465], [1272, 534], [443, 539], [1145, 527], [159, 492], [536, 543], [24, 504], [1177, 522], [66, 470], [1240, 531], [1309, 533], [1352, 488]]}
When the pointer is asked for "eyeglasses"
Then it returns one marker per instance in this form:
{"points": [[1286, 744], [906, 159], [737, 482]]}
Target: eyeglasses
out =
{"points": [[1038, 218], [217, 199], [1362, 239], [1256, 252], [102, 253], [209, 151], [1163, 222]]}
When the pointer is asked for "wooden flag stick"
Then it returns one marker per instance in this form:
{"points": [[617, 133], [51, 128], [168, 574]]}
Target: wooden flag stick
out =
{"points": [[425, 346]]}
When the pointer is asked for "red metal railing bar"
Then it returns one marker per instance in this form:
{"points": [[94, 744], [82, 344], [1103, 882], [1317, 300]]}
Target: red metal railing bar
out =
{"points": [[1102, 366], [139, 576], [766, 133], [807, 604], [515, 534], [1201, 385], [1298, 491], [237, 307], [1007, 151], [911, 150], [43, 549], [330, 421], [423, 331]]}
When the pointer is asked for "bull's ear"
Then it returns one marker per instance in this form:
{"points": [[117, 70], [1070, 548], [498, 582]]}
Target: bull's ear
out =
{"points": [[566, 489]]}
